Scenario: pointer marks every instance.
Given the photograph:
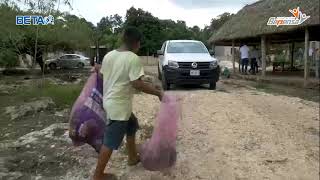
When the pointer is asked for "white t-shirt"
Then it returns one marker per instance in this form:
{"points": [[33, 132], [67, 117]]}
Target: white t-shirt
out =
{"points": [[119, 69], [244, 51]]}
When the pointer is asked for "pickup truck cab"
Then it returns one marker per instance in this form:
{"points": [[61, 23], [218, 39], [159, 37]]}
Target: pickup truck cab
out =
{"points": [[187, 62]]}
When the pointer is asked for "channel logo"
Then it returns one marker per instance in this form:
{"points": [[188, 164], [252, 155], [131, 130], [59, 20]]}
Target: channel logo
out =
{"points": [[35, 20]]}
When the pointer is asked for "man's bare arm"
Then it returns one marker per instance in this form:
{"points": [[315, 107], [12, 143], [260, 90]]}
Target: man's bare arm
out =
{"points": [[147, 88]]}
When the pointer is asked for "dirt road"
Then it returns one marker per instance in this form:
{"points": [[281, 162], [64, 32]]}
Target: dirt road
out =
{"points": [[235, 132], [239, 133]]}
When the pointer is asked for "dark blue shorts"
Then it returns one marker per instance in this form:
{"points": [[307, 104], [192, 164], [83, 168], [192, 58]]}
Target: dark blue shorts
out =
{"points": [[245, 61], [116, 130]]}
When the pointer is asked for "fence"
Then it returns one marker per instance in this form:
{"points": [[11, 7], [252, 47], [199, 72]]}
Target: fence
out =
{"points": [[149, 60]]}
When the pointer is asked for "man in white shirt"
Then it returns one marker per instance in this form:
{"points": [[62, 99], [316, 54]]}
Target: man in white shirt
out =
{"points": [[244, 55]]}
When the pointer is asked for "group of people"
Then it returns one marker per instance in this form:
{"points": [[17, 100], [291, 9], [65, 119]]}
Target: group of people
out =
{"points": [[246, 57]]}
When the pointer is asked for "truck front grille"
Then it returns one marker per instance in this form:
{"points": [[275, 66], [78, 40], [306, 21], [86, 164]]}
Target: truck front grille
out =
{"points": [[187, 65]]}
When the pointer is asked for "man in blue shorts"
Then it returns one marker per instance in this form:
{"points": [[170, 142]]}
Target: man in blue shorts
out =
{"points": [[122, 71]]}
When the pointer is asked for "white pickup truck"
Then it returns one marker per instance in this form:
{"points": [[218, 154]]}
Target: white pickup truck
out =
{"points": [[187, 62]]}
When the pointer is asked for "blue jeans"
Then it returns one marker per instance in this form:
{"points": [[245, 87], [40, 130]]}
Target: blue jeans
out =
{"points": [[244, 65]]}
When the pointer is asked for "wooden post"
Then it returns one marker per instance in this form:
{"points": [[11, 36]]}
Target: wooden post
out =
{"points": [[233, 57], [305, 57], [317, 59], [291, 48], [98, 56], [263, 55], [148, 57]]}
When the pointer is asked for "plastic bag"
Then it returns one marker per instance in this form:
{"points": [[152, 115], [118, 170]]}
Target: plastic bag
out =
{"points": [[160, 151], [226, 72], [87, 116]]}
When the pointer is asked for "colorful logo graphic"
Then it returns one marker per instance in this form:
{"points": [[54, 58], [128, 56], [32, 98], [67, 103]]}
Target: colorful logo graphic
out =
{"points": [[34, 20], [297, 19]]}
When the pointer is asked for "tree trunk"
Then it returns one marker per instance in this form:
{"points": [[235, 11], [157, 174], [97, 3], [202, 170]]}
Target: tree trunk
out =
{"points": [[35, 48], [305, 58]]}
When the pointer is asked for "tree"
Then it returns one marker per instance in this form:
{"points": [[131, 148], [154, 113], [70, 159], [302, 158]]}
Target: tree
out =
{"points": [[110, 24], [196, 31], [154, 30], [150, 27], [71, 33], [104, 26], [108, 31], [43, 7], [10, 35], [215, 24], [117, 23]]}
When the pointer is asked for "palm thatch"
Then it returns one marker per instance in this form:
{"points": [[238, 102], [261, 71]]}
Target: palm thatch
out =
{"points": [[251, 21]]}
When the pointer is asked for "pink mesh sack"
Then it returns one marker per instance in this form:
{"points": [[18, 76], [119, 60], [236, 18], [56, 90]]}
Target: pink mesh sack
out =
{"points": [[160, 151]]}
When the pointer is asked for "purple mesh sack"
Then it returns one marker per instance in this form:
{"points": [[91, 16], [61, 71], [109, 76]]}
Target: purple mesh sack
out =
{"points": [[160, 151], [87, 116]]}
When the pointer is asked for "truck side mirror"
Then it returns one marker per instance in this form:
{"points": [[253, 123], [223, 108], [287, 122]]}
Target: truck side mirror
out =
{"points": [[159, 52], [211, 52]]}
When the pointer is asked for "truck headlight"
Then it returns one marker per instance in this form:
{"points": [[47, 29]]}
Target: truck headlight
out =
{"points": [[213, 64], [173, 64]]}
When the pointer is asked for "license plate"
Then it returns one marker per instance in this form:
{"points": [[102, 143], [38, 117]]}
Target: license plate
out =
{"points": [[194, 72]]}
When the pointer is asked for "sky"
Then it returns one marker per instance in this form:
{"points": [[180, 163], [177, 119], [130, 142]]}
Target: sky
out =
{"points": [[193, 12]]}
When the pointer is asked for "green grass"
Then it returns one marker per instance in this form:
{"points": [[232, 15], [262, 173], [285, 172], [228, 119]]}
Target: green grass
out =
{"points": [[267, 88], [62, 95], [262, 86]]}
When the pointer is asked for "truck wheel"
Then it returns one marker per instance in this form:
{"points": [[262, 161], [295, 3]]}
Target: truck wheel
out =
{"points": [[159, 74], [165, 85], [213, 85], [52, 66]]}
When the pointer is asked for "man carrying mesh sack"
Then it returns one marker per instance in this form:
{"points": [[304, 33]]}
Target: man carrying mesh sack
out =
{"points": [[122, 72]]}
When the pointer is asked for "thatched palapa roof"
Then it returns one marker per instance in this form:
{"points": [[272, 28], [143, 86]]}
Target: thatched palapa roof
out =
{"points": [[251, 21]]}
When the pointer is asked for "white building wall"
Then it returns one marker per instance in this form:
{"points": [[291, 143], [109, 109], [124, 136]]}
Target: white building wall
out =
{"points": [[223, 53]]}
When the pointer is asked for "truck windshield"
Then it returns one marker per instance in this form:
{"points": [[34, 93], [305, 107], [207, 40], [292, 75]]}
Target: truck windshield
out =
{"points": [[186, 47]]}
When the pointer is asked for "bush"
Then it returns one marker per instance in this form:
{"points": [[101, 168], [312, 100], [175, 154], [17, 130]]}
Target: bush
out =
{"points": [[8, 58]]}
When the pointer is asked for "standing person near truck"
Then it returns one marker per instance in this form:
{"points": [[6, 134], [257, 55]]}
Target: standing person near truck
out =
{"points": [[244, 55], [122, 72]]}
